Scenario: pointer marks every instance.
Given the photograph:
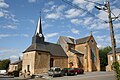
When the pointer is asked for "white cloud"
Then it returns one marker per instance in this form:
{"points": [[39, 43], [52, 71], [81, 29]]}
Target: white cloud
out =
{"points": [[10, 27], [116, 11], [117, 37], [57, 12], [13, 35], [101, 38], [88, 21], [51, 35], [53, 16], [4, 35], [9, 53], [71, 13], [100, 46], [31, 1], [14, 57], [103, 15], [50, 3], [1, 14], [3, 4], [76, 21], [75, 31], [78, 1]]}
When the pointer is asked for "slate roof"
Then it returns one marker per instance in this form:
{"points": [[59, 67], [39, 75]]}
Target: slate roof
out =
{"points": [[75, 41], [14, 63], [117, 51], [75, 51], [82, 40], [68, 39], [54, 49]]}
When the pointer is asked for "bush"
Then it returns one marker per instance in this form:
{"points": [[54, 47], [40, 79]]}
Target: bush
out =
{"points": [[116, 68], [16, 73]]}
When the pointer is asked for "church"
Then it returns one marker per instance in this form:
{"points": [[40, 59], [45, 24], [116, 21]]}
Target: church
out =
{"points": [[40, 56]]}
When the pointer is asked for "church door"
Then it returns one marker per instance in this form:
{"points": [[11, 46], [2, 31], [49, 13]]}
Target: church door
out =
{"points": [[51, 62]]}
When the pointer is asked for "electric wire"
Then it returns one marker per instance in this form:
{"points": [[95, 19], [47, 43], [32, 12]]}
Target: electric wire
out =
{"points": [[75, 6], [116, 17]]}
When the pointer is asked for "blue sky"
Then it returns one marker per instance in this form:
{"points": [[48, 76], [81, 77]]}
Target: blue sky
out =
{"points": [[18, 20]]}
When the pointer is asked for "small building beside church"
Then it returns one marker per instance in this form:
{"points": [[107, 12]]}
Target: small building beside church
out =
{"points": [[41, 55], [15, 66], [110, 59], [82, 53]]}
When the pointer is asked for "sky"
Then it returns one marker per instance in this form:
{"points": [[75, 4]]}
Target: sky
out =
{"points": [[18, 20]]}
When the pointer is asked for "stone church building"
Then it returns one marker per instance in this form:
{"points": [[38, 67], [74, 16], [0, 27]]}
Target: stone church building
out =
{"points": [[82, 53], [41, 55], [68, 52]]}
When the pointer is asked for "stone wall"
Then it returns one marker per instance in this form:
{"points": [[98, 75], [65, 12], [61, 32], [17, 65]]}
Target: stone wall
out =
{"points": [[110, 61], [61, 62], [42, 61], [28, 59]]}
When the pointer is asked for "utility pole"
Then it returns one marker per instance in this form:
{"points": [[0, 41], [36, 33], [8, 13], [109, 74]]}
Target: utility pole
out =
{"points": [[111, 32]]}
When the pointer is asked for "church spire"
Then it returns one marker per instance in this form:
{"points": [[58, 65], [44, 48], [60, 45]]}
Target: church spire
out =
{"points": [[39, 27], [38, 36]]}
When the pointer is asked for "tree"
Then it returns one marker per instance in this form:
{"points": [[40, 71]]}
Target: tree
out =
{"points": [[103, 55], [4, 64]]}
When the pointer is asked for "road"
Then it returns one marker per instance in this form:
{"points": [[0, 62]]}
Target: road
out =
{"points": [[88, 76], [85, 76]]}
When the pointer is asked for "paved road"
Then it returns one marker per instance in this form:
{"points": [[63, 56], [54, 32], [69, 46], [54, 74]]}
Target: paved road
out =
{"points": [[88, 76], [85, 76]]}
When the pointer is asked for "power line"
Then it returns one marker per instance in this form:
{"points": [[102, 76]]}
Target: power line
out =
{"points": [[75, 6], [116, 17]]}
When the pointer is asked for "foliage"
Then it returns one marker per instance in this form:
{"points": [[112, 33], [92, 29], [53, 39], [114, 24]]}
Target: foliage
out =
{"points": [[116, 68], [103, 55], [16, 73], [4, 64]]}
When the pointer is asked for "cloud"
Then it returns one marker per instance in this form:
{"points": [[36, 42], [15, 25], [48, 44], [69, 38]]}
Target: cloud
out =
{"points": [[9, 53], [72, 13], [53, 16], [103, 15], [14, 57], [4, 35], [76, 21], [31, 1], [78, 1], [51, 35], [117, 38], [10, 27], [100, 46], [1, 14], [3, 4], [55, 12], [13, 35], [50, 3], [75, 31]]}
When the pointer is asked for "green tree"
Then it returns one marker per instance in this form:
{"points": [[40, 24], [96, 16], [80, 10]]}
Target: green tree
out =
{"points": [[4, 64], [103, 55]]}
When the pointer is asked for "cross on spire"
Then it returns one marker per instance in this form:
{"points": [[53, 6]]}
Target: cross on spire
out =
{"points": [[39, 27]]}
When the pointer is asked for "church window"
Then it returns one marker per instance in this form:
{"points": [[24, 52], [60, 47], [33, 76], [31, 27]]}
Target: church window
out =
{"points": [[28, 68], [91, 40]]}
